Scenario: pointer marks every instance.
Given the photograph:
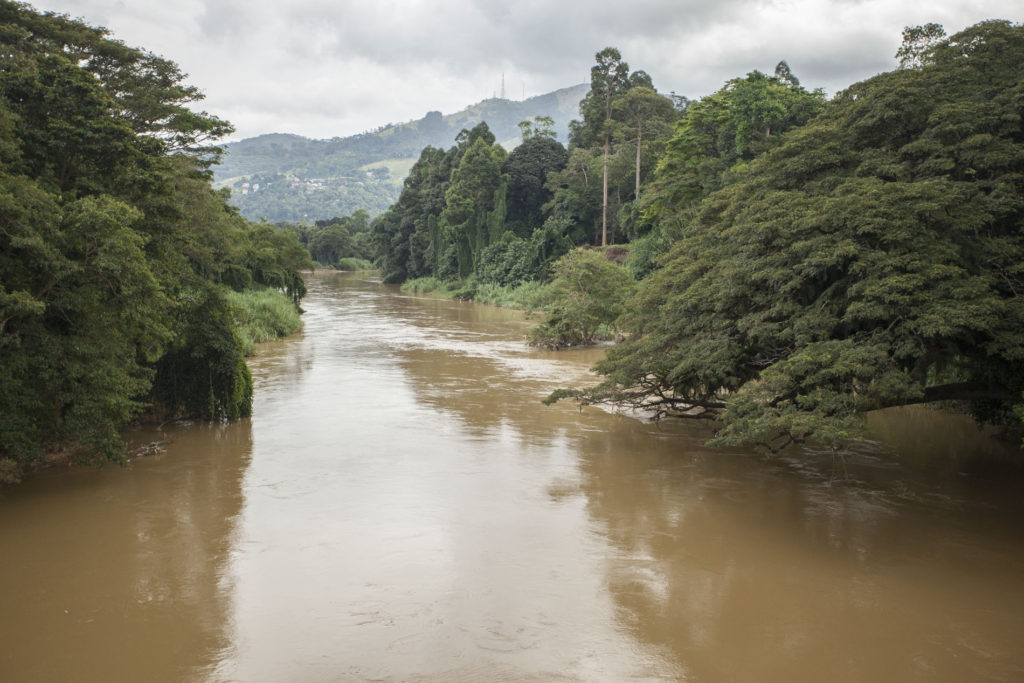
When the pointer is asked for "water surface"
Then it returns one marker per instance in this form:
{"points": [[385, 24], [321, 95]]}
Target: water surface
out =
{"points": [[401, 507]]}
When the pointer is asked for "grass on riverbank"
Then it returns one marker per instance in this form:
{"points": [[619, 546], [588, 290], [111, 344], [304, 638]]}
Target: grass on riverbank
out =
{"points": [[345, 264], [353, 263], [522, 296], [263, 315]]}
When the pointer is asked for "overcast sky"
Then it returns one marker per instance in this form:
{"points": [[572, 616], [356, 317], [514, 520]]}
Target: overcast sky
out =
{"points": [[325, 68]]}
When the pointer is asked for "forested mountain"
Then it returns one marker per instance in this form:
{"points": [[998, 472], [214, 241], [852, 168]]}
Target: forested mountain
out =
{"points": [[291, 178], [118, 259]]}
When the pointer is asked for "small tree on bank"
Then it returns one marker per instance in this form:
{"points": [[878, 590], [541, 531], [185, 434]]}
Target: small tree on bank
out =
{"points": [[586, 297]]}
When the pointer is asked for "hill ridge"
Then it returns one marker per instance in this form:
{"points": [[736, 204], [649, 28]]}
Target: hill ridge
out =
{"points": [[288, 177]]}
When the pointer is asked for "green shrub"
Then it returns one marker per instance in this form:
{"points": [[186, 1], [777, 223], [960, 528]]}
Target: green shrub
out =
{"points": [[353, 263], [583, 302], [262, 315], [508, 261], [464, 290], [204, 373], [422, 285], [518, 296]]}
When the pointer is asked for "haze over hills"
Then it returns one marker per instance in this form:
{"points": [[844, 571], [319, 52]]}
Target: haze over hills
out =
{"points": [[283, 177]]}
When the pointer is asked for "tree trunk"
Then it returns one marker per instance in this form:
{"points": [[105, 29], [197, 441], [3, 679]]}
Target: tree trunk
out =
{"points": [[639, 135], [604, 204]]}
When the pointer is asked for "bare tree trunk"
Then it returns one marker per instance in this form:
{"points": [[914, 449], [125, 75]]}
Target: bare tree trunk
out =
{"points": [[639, 135], [604, 205]]}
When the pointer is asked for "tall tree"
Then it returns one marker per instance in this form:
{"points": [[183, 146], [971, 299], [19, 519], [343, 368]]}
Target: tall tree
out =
{"points": [[406, 237], [785, 75], [873, 258], [476, 186], [538, 126], [918, 43], [643, 112], [728, 127], [527, 168], [609, 78]]}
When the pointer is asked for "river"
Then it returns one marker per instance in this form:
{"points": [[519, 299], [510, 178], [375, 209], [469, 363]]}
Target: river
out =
{"points": [[401, 507]]}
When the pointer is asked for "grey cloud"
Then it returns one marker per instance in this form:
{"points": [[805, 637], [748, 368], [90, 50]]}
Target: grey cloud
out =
{"points": [[220, 19], [532, 35], [334, 67]]}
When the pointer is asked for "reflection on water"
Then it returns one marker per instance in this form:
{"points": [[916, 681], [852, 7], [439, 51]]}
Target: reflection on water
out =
{"points": [[403, 508], [120, 575], [746, 570]]}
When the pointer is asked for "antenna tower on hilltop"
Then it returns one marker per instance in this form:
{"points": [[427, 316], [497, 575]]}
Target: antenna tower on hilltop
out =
{"points": [[502, 85]]}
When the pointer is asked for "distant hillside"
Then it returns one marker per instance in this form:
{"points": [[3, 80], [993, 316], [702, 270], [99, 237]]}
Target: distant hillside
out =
{"points": [[283, 177]]}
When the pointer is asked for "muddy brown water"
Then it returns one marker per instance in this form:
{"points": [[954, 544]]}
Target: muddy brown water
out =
{"points": [[401, 507]]}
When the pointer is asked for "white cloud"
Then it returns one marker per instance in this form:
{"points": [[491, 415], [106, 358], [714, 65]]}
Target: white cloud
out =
{"points": [[324, 68]]}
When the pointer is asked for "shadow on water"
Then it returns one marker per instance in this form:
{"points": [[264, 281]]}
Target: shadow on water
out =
{"points": [[749, 569]]}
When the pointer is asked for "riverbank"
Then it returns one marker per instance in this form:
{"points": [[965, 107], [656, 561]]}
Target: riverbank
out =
{"points": [[261, 315], [521, 297]]}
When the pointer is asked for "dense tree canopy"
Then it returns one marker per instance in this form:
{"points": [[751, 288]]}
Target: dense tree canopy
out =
{"points": [[743, 119], [475, 190], [406, 237], [527, 167], [113, 245], [873, 258]]}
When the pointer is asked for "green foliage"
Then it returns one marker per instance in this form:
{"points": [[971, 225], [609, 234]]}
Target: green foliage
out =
{"points": [[423, 285], [342, 242], [583, 301], [576, 195], [204, 374], [509, 261], [645, 254], [537, 127], [146, 93], [407, 238], [876, 247], [642, 123], [527, 168], [732, 126], [262, 315], [108, 228], [331, 243], [475, 187], [611, 151], [507, 296], [275, 258], [512, 260], [918, 42], [716, 134], [352, 263], [452, 206], [609, 79]]}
